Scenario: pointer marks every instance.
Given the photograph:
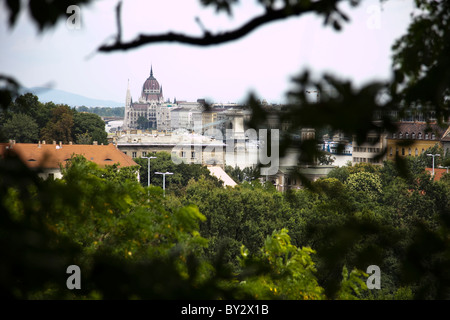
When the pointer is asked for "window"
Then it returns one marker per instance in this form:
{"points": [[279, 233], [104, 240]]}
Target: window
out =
{"points": [[144, 153], [420, 135], [406, 135], [51, 176], [183, 154], [426, 136], [413, 135], [394, 135], [134, 154], [400, 135], [193, 154], [396, 151], [433, 136], [390, 152], [403, 151], [409, 151], [416, 152]]}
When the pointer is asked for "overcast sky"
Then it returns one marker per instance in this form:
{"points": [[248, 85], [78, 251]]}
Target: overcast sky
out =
{"points": [[262, 62]]}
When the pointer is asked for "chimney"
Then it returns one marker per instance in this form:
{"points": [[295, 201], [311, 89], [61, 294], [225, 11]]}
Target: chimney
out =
{"points": [[39, 144], [94, 143], [54, 142], [60, 144], [70, 142], [43, 141]]}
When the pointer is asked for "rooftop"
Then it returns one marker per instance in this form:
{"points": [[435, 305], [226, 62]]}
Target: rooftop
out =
{"points": [[438, 172], [41, 155], [422, 127], [222, 175]]}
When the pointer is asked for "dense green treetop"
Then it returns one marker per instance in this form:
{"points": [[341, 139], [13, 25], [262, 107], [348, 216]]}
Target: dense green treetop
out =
{"points": [[28, 120]]}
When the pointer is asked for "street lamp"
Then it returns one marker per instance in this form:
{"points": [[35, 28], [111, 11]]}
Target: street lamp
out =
{"points": [[164, 180], [148, 169], [444, 168], [433, 155]]}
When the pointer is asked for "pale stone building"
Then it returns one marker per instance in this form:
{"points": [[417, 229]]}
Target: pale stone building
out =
{"points": [[370, 151], [187, 147]]}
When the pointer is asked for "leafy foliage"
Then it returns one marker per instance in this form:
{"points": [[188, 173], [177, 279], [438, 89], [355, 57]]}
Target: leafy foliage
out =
{"points": [[290, 271], [29, 120], [22, 128], [365, 182]]}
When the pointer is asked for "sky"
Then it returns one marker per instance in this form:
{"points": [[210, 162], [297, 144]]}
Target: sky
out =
{"points": [[263, 62]]}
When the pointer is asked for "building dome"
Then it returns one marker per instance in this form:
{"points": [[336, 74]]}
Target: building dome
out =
{"points": [[151, 89]]}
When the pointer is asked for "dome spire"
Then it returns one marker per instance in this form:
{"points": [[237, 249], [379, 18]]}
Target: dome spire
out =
{"points": [[151, 70]]}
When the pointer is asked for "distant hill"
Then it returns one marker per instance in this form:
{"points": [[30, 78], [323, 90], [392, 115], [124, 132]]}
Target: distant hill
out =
{"points": [[71, 99]]}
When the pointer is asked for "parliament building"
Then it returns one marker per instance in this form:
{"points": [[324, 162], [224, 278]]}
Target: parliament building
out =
{"points": [[151, 102]]}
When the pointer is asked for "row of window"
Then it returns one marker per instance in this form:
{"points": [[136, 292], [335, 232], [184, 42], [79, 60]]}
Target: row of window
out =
{"points": [[416, 151], [134, 153], [141, 114], [368, 160], [183, 154], [364, 149], [413, 136]]}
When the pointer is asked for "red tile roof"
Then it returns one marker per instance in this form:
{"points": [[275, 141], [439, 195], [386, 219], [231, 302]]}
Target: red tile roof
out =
{"points": [[438, 172], [52, 155]]}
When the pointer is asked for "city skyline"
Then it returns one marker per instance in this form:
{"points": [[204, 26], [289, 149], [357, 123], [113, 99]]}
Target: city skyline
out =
{"points": [[262, 62]]}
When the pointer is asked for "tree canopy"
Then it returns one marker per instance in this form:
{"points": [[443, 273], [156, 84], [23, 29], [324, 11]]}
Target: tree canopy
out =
{"points": [[28, 120]]}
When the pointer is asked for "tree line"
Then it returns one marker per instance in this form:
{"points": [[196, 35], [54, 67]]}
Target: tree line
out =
{"points": [[103, 111], [27, 120]]}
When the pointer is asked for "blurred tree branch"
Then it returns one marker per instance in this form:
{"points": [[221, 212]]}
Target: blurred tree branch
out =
{"points": [[327, 8]]}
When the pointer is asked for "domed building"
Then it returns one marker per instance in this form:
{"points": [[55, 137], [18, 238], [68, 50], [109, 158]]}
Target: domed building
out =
{"points": [[142, 114], [151, 91]]}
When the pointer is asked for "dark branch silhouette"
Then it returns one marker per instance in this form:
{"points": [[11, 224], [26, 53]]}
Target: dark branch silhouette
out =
{"points": [[326, 7], [119, 22]]}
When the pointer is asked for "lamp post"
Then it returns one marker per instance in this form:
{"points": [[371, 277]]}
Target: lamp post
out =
{"points": [[164, 180], [433, 155], [148, 169], [444, 168]]}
